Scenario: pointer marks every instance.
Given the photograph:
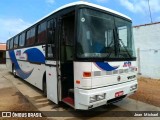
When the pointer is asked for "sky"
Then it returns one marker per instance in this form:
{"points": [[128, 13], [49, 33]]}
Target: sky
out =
{"points": [[16, 15]]}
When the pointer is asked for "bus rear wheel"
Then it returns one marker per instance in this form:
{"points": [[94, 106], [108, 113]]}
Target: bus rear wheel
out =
{"points": [[14, 71]]}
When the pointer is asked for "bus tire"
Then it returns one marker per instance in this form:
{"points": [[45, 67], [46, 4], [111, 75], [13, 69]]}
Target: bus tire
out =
{"points": [[14, 71]]}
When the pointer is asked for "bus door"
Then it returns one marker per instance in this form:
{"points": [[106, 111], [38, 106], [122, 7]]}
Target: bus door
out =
{"points": [[51, 63], [66, 57]]}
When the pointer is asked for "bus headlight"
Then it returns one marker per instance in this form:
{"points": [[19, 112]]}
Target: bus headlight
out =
{"points": [[133, 87], [101, 97], [97, 97], [93, 99]]}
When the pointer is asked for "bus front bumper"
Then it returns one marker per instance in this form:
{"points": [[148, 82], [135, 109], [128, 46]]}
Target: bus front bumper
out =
{"points": [[87, 99]]}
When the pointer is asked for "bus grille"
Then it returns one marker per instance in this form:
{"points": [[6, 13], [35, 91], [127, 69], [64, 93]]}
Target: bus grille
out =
{"points": [[114, 72]]}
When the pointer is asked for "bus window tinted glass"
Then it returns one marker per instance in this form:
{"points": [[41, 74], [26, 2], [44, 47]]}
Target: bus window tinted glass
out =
{"points": [[124, 34], [104, 36], [95, 34], [51, 39], [7, 44], [11, 44], [42, 33], [22, 40], [30, 37], [16, 42]]}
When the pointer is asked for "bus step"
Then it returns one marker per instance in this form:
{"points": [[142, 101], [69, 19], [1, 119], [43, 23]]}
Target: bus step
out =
{"points": [[69, 101], [71, 90]]}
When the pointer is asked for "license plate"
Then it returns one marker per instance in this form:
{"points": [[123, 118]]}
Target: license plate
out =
{"points": [[118, 94]]}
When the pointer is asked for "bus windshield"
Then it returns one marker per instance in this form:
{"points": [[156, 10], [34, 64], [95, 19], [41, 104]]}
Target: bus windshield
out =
{"points": [[102, 35]]}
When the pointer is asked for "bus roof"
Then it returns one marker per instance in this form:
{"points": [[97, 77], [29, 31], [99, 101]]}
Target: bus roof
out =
{"points": [[86, 3], [79, 3]]}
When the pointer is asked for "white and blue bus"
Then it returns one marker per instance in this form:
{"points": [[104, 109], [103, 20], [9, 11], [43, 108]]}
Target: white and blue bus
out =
{"points": [[81, 54]]}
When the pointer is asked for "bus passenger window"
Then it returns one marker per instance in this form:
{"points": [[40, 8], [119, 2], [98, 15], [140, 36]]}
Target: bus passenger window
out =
{"points": [[16, 42], [7, 45], [30, 37], [42, 33], [11, 44], [22, 40], [51, 38]]}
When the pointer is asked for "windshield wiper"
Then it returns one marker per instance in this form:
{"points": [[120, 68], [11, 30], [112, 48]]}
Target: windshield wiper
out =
{"points": [[116, 48], [112, 42], [124, 47]]}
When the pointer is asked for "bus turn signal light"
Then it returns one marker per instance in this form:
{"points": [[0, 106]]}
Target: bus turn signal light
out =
{"points": [[86, 74], [78, 82]]}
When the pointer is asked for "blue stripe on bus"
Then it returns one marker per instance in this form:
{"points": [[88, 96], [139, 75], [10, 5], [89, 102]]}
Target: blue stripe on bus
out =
{"points": [[106, 66], [35, 55], [21, 73]]}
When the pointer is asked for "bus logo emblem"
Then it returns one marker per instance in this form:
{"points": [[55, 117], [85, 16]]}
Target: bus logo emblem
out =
{"points": [[127, 64], [18, 52]]}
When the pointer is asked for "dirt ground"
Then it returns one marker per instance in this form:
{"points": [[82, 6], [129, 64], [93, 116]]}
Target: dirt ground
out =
{"points": [[11, 99], [148, 91]]}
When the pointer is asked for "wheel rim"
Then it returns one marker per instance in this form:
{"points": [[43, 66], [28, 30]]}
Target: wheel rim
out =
{"points": [[14, 71]]}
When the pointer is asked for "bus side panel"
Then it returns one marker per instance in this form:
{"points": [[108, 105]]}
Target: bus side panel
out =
{"points": [[29, 64], [36, 78]]}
